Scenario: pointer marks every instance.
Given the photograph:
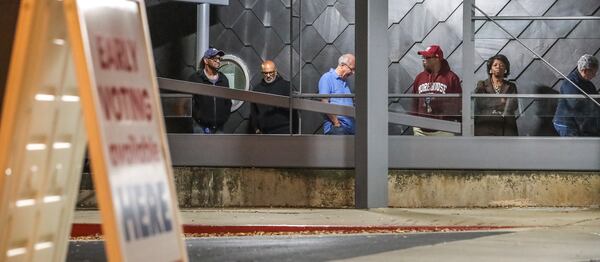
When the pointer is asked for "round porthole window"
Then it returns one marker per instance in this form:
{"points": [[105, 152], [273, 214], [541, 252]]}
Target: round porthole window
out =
{"points": [[237, 73]]}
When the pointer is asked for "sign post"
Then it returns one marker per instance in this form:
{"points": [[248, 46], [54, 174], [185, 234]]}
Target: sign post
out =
{"points": [[130, 159]]}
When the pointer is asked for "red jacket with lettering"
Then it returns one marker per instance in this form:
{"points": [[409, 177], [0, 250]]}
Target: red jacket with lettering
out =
{"points": [[443, 82]]}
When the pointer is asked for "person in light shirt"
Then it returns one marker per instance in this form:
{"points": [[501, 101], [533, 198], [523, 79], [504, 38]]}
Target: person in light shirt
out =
{"points": [[335, 82]]}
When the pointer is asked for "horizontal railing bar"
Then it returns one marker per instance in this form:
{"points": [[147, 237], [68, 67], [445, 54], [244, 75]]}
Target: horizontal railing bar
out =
{"points": [[298, 103], [175, 95], [167, 95], [537, 18], [417, 95], [254, 97], [422, 95], [423, 122], [212, 2], [305, 95], [532, 96]]}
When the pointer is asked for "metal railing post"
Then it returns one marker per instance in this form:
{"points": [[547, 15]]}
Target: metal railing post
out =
{"points": [[468, 60]]}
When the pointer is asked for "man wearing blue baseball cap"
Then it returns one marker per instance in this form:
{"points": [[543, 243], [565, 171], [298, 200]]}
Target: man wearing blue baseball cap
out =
{"points": [[210, 113]]}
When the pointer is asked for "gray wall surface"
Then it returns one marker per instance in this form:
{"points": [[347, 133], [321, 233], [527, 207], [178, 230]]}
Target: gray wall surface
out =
{"points": [[256, 30]]}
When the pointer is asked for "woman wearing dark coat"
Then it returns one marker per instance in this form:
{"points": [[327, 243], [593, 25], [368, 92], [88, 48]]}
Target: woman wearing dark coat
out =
{"points": [[496, 116]]}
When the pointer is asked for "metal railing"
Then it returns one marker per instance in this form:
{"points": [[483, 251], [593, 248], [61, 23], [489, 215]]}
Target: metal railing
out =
{"points": [[486, 17], [299, 102], [493, 19]]}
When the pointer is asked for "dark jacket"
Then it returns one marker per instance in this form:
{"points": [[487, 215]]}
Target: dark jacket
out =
{"points": [[443, 82], [495, 116], [270, 119], [578, 113], [209, 111]]}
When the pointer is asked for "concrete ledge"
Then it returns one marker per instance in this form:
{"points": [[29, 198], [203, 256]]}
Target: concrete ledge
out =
{"points": [[262, 187], [443, 188], [252, 187]]}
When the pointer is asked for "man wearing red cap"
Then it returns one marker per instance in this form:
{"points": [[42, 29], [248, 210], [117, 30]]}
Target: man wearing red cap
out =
{"points": [[437, 78]]}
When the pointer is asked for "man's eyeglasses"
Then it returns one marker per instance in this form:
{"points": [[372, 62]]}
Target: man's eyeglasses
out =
{"points": [[215, 58], [269, 73], [351, 69]]}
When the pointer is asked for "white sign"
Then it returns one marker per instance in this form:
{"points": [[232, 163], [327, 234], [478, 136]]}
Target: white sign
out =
{"points": [[129, 120]]}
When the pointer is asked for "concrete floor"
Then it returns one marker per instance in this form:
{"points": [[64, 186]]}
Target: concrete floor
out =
{"points": [[540, 234], [291, 248], [578, 242], [377, 217]]}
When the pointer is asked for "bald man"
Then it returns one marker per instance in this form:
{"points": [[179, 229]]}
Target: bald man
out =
{"points": [[266, 119]]}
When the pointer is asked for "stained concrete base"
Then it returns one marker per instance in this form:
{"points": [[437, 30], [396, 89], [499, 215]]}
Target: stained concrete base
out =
{"points": [[443, 188], [260, 187]]}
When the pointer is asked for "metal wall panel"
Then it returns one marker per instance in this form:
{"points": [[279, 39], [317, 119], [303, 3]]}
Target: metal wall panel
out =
{"points": [[248, 26], [228, 16], [404, 152], [400, 41], [323, 60], [330, 24], [227, 41], [269, 11], [312, 43], [346, 8], [345, 41], [309, 9], [248, 3], [310, 79], [398, 9], [282, 60]]}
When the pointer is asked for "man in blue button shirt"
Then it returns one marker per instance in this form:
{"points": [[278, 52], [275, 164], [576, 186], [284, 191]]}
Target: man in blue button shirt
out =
{"points": [[334, 82]]}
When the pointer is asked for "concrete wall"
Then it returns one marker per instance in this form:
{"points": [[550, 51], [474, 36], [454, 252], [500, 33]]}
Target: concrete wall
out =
{"points": [[252, 187], [443, 188]]}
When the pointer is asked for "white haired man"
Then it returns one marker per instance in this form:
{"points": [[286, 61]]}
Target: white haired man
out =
{"points": [[579, 116], [335, 82]]}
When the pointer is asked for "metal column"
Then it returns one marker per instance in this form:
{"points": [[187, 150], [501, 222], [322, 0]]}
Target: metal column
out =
{"points": [[371, 140], [202, 31], [468, 60]]}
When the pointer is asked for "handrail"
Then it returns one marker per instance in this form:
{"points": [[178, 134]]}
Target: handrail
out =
{"points": [[537, 55], [537, 17], [310, 95], [299, 103], [475, 95], [171, 95], [533, 96], [424, 95], [423, 122], [255, 97]]}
